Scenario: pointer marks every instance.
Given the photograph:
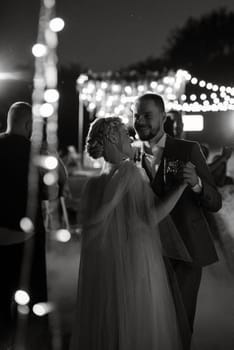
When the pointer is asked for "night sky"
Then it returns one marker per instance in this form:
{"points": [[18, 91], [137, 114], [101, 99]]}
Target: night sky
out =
{"points": [[101, 34]]}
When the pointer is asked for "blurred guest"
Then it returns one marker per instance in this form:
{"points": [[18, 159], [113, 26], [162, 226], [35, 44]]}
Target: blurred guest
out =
{"points": [[14, 186], [218, 166], [173, 125], [169, 126]]}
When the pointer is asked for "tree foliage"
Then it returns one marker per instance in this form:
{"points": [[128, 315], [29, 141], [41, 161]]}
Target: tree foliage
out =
{"points": [[204, 46]]}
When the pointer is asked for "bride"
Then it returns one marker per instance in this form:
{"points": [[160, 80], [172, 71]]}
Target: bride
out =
{"points": [[124, 300]]}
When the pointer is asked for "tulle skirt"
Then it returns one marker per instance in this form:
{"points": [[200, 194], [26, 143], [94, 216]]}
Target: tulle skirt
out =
{"points": [[124, 301]]}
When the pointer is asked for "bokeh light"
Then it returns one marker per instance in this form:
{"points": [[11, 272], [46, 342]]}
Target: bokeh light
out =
{"points": [[22, 297], [46, 110], [57, 24], [41, 309], [26, 225], [39, 50], [63, 235], [51, 162], [51, 95], [49, 179]]}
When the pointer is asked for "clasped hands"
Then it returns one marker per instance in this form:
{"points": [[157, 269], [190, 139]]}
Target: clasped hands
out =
{"points": [[187, 174]]}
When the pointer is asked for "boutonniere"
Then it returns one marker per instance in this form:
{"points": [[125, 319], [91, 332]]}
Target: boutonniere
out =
{"points": [[170, 171]]}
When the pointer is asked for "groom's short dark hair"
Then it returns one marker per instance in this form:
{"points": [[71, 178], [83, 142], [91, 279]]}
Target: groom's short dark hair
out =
{"points": [[157, 99]]}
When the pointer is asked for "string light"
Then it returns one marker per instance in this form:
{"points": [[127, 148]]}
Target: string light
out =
{"points": [[26, 225], [57, 24], [22, 297], [107, 95], [50, 178], [63, 235], [51, 162], [39, 50], [46, 110], [42, 309], [51, 95]]}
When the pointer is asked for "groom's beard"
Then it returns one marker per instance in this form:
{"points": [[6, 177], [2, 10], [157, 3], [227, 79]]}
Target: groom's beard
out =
{"points": [[146, 133]]}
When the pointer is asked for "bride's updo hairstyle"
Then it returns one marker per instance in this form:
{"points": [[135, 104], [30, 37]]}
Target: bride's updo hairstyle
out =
{"points": [[101, 130]]}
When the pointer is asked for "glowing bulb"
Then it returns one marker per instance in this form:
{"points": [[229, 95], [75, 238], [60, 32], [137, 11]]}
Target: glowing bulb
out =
{"points": [[46, 110], [141, 88], [49, 179], [183, 97], [92, 106], [169, 90], [209, 86], [203, 96], [41, 309], [26, 225], [82, 79], [101, 113], [223, 94], [22, 297], [116, 88], [213, 95], [194, 81], [193, 97], [39, 50], [160, 88], [104, 85], [125, 120], [128, 90], [202, 83], [215, 87], [63, 235], [51, 95], [51, 162], [153, 85], [57, 24]]}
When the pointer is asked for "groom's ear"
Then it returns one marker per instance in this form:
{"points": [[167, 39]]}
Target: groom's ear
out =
{"points": [[113, 137]]}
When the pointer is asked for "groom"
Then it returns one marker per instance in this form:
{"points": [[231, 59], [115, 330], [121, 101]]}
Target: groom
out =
{"points": [[162, 157]]}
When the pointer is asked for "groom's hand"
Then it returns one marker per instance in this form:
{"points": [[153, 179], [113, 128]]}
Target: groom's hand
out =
{"points": [[188, 174]]}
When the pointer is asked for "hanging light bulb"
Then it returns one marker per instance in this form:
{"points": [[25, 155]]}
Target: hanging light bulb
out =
{"points": [[57, 24]]}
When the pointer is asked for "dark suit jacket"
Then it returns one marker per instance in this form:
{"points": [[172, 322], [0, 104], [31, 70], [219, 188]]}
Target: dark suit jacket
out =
{"points": [[188, 214]]}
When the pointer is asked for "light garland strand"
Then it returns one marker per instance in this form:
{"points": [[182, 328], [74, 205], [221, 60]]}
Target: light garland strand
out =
{"points": [[44, 109], [111, 96]]}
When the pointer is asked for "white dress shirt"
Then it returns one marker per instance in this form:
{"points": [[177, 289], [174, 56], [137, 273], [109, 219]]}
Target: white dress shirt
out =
{"points": [[153, 152]]}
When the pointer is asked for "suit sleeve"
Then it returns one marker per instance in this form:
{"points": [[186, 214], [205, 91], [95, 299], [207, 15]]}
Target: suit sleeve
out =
{"points": [[209, 198]]}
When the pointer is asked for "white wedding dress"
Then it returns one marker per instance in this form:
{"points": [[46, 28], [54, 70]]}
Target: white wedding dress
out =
{"points": [[124, 301]]}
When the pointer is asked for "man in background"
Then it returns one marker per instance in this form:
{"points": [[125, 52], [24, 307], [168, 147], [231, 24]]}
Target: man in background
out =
{"points": [[15, 148]]}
